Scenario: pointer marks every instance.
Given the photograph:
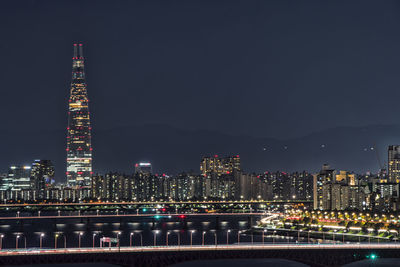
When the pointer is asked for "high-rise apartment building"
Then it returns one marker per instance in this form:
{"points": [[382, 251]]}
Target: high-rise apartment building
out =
{"points": [[394, 164], [79, 147], [219, 165], [42, 174]]}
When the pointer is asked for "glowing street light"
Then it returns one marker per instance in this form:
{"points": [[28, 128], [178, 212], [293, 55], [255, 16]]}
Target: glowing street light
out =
{"points": [[41, 240], [155, 237], [215, 238], [263, 235], [130, 239], [55, 241], [227, 236], [167, 238], [191, 237], [118, 233], [238, 237], [16, 241], [80, 235], [202, 238], [94, 235]]}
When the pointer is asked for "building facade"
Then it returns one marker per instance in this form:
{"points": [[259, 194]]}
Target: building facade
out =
{"points": [[79, 147]]}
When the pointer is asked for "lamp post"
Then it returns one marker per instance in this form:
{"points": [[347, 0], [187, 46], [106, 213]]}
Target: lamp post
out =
{"points": [[227, 236], [117, 212], [202, 238], [80, 235], [155, 237], [18, 214], [59, 213], [308, 237], [94, 235], [191, 237], [118, 233], [179, 238], [130, 239], [215, 238], [55, 241], [39, 213], [1, 241], [65, 241], [263, 236], [16, 241], [298, 236], [41, 240], [167, 238], [273, 237], [97, 212], [238, 237]]}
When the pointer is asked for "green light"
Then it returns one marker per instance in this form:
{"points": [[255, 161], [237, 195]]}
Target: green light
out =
{"points": [[157, 217], [144, 210], [372, 256]]}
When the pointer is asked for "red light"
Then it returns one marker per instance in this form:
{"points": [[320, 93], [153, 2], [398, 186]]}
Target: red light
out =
{"points": [[67, 149], [66, 173], [163, 209], [237, 156], [227, 172], [215, 156], [182, 216]]}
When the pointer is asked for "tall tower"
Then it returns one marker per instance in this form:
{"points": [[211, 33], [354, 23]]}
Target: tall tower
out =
{"points": [[79, 147]]}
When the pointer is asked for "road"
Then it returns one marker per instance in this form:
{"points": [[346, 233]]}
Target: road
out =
{"points": [[200, 248], [161, 215]]}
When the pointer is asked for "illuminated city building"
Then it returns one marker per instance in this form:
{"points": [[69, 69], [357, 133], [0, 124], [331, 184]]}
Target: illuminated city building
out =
{"points": [[219, 165], [394, 164], [79, 148], [42, 175]]}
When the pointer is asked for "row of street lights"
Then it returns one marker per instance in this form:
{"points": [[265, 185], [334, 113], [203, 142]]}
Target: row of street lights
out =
{"points": [[131, 238]]}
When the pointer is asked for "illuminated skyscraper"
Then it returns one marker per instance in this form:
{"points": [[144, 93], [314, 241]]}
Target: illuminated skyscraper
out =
{"points": [[79, 148], [394, 164]]}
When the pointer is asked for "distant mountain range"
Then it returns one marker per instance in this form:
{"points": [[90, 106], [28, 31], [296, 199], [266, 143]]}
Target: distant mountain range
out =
{"points": [[172, 150]]}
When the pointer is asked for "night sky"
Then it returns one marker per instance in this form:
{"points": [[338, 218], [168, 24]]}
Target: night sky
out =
{"points": [[279, 69]]}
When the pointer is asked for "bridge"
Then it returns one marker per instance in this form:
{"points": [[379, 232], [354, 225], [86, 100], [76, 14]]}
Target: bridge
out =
{"points": [[312, 254]]}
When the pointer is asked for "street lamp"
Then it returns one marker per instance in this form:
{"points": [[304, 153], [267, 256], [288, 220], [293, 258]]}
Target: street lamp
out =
{"points": [[167, 238], [55, 241], [41, 240], [155, 237], [17, 213], [273, 237], [263, 235], [308, 237], [130, 239], [16, 241], [1, 241], [179, 238], [39, 213], [202, 238], [97, 212], [215, 238], [118, 233], [238, 236], [191, 237], [298, 235], [227, 236], [80, 235], [94, 235]]}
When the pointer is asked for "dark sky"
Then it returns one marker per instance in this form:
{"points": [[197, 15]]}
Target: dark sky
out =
{"points": [[261, 68]]}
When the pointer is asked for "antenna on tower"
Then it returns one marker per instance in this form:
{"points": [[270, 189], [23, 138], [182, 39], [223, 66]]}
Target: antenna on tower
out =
{"points": [[81, 50], [75, 51]]}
